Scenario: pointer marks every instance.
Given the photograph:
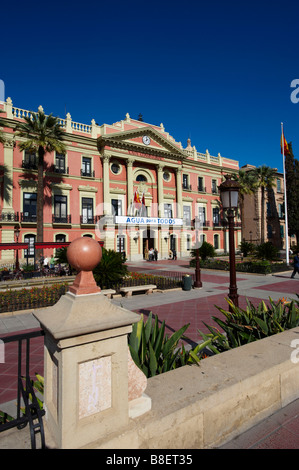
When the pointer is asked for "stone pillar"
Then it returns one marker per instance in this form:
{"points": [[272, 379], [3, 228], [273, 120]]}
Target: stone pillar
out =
{"points": [[106, 185], [8, 176], [160, 190], [130, 195], [179, 192], [90, 381]]}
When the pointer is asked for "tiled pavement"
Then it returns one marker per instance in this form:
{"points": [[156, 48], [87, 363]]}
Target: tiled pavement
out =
{"points": [[178, 307]]}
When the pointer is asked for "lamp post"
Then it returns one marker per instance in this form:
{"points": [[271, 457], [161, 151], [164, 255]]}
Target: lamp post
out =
{"points": [[17, 233], [197, 282], [229, 191]]}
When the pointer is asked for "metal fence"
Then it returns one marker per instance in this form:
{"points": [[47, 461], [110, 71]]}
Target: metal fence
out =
{"points": [[28, 412]]}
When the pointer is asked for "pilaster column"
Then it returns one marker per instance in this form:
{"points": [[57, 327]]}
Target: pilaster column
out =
{"points": [[8, 176], [130, 196], [106, 184], [179, 192], [160, 168]]}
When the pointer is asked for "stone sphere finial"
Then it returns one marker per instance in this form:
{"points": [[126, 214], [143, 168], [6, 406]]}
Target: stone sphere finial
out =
{"points": [[84, 254]]}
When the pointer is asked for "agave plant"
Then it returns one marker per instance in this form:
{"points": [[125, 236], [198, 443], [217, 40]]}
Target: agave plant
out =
{"points": [[242, 326], [154, 352]]}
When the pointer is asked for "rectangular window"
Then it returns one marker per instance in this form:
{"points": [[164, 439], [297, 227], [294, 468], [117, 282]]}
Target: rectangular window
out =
{"points": [[30, 161], [86, 167], [185, 182], [216, 218], [187, 215], [214, 187], [202, 215], [281, 231], [60, 163], [87, 210], [168, 211], [200, 184], [120, 243], [29, 207], [30, 239], [60, 209], [278, 185], [116, 206]]}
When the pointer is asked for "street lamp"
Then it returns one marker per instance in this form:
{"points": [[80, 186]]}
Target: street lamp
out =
{"points": [[229, 192], [17, 233], [197, 282]]}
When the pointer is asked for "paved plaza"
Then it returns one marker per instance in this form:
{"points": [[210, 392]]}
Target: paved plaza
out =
{"points": [[177, 307]]}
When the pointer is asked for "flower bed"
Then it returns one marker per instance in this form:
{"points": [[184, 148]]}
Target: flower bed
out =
{"points": [[12, 300]]}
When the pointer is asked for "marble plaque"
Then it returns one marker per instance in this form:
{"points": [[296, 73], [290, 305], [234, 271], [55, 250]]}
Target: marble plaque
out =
{"points": [[94, 386]]}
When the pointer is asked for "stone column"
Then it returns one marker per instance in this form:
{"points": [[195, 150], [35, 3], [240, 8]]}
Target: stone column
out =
{"points": [[179, 192], [130, 195], [160, 168], [91, 386], [8, 176], [106, 184]]}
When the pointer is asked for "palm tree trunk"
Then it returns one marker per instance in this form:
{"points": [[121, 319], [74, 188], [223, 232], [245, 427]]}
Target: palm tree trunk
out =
{"points": [[40, 200], [263, 215]]}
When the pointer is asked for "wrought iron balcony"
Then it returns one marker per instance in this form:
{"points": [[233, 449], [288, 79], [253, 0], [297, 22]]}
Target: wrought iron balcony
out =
{"points": [[27, 217], [89, 174], [61, 171], [88, 220], [202, 189], [67, 219], [9, 217], [187, 187], [29, 165]]}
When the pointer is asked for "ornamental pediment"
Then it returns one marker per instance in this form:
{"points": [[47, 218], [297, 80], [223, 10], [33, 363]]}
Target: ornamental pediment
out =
{"points": [[144, 140]]}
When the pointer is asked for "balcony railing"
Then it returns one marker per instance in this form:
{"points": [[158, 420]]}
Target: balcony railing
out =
{"points": [[89, 174], [201, 189], [67, 219], [29, 165], [9, 217], [88, 220], [27, 217], [187, 187], [62, 171]]}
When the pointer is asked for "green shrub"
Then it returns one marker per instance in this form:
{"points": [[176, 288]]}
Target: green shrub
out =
{"points": [[111, 269], [206, 250], [247, 248], [266, 251]]}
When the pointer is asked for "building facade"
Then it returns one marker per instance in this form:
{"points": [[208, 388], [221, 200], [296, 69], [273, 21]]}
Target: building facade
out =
{"points": [[95, 188]]}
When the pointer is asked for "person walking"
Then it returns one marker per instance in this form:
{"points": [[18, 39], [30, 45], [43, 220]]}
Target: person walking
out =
{"points": [[155, 254], [296, 265], [174, 254]]}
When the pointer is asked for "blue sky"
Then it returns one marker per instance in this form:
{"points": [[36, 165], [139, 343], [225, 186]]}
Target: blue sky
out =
{"points": [[218, 72]]}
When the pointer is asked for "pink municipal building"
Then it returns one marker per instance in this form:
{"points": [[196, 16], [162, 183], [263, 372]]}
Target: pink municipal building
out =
{"points": [[91, 190]]}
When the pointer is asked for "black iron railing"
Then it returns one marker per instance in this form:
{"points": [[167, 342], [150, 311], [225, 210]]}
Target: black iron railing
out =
{"points": [[28, 412]]}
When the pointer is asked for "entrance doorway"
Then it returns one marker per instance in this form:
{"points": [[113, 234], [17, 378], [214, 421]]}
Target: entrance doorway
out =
{"points": [[147, 241]]}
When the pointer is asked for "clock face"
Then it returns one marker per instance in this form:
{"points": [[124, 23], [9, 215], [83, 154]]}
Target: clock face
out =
{"points": [[146, 140]]}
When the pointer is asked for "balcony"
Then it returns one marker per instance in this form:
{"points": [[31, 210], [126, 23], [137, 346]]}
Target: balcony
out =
{"points": [[29, 165], [87, 220], [61, 171], [9, 217], [27, 217], [201, 189], [88, 174], [67, 219], [187, 187]]}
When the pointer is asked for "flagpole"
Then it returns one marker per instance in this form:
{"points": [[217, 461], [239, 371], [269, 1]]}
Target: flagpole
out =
{"points": [[285, 200]]}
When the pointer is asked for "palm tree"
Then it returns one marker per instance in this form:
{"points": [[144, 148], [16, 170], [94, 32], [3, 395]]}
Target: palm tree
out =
{"points": [[43, 134], [265, 179]]}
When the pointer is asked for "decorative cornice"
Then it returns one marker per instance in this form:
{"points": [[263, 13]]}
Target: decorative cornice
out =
{"points": [[120, 140]]}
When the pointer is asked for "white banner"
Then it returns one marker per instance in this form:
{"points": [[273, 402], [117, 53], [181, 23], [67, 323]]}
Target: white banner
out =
{"points": [[127, 220]]}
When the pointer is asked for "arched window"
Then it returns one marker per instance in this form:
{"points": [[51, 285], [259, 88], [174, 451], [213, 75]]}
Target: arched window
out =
{"points": [[141, 178]]}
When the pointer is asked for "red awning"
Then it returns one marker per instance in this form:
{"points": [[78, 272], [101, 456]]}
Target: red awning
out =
{"points": [[13, 246]]}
